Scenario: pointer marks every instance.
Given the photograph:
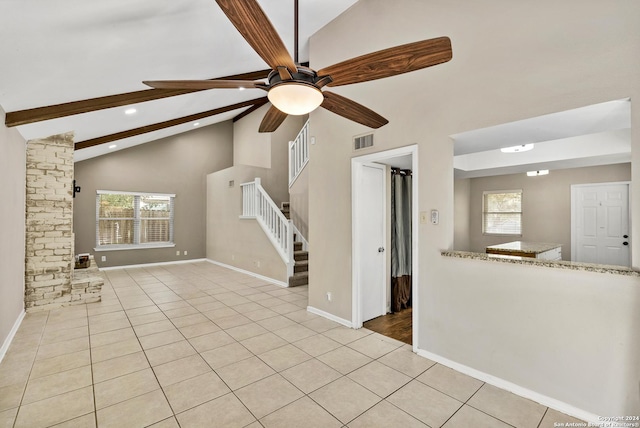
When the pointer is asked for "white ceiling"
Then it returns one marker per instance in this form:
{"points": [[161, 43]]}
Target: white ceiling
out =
{"points": [[59, 51], [599, 134]]}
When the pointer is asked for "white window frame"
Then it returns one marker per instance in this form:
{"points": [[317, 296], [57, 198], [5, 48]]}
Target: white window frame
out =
{"points": [[484, 211], [136, 245]]}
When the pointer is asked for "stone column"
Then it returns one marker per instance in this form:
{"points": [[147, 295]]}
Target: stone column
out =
{"points": [[49, 222]]}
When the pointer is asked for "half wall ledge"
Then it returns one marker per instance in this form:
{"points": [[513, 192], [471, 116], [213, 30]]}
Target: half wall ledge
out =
{"points": [[559, 264]]}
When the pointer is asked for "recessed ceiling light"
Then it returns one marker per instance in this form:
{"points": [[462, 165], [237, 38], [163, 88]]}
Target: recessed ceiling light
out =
{"points": [[130, 111], [113, 146], [196, 124], [241, 88], [517, 149], [537, 173]]}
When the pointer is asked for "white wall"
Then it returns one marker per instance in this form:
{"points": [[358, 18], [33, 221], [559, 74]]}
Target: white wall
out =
{"points": [[12, 218], [239, 242], [569, 335], [511, 61], [299, 200], [266, 150]]}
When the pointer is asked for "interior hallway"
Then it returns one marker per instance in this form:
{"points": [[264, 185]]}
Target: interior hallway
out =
{"points": [[198, 345]]}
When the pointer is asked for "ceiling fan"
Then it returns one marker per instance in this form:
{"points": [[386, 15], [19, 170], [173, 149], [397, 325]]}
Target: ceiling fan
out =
{"points": [[295, 89]]}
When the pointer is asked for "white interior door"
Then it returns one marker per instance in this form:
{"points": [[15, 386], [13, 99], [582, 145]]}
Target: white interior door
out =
{"points": [[601, 224], [371, 240]]}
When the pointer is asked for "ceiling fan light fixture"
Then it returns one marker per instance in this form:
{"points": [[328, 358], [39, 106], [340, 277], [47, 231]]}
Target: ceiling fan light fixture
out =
{"points": [[295, 98]]}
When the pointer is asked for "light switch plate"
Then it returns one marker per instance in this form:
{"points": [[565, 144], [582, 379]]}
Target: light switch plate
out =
{"points": [[423, 217]]}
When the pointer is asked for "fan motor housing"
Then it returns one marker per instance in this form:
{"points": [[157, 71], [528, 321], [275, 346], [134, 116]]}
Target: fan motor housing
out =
{"points": [[303, 75]]}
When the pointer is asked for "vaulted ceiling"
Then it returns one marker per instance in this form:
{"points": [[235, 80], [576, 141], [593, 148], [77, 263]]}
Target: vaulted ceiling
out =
{"points": [[55, 55]]}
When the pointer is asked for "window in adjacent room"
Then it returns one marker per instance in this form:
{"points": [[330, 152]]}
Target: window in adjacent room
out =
{"points": [[502, 212], [126, 220]]}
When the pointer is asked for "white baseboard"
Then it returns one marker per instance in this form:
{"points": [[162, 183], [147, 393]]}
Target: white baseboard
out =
{"points": [[143, 265], [11, 335], [332, 317], [516, 389], [248, 272]]}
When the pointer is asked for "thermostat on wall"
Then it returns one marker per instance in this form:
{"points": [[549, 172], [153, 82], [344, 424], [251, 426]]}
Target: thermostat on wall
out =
{"points": [[435, 217]]}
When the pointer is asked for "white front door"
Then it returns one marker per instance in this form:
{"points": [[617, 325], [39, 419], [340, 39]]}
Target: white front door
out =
{"points": [[371, 240], [601, 224]]}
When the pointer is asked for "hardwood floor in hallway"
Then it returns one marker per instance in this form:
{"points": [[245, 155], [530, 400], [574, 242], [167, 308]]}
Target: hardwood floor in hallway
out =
{"points": [[396, 325]]}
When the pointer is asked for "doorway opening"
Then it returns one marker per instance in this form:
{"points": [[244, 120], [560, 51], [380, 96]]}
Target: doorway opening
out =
{"points": [[384, 250]]}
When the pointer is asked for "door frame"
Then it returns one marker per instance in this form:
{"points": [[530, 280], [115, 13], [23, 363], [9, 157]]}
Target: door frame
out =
{"points": [[356, 163], [574, 214]]}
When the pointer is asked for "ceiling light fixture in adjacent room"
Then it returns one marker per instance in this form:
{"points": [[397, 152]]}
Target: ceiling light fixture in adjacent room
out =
{"points": [[537, 173], [130, 111], [196, 124], [113, 146], [517, 149]]}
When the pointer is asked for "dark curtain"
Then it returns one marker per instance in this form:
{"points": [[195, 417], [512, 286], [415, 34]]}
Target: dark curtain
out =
{"points": [[400, 239]]}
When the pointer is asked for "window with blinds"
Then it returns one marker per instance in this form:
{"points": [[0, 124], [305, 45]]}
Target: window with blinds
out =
{"points": [[126, 219], [502, 212]]}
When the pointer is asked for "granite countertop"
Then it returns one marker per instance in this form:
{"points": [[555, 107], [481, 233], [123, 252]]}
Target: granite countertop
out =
{"points": [[525, 247], [558, 264]]}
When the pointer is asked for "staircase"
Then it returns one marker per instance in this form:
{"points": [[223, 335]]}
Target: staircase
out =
{"points": [[301, 267], [276, 222]]}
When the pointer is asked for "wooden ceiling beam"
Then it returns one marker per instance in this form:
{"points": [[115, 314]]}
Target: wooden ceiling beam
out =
{"points": [[248, 111], [38, 114], [169, 123]]}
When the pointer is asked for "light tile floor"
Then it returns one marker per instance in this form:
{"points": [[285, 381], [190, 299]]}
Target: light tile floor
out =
{"points": [[198, 345]]}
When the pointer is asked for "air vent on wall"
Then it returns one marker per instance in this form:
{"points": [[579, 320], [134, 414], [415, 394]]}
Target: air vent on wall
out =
{"points": [[362, 141]]}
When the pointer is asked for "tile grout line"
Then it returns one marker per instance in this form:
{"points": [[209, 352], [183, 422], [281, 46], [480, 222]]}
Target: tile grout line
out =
{"points": [[93, 383], [24, 391], [255, 355], [145, 353]]}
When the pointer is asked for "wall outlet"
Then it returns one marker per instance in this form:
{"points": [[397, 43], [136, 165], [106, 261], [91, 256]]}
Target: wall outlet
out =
{"points": [[256, 263], [233, 256], [177, 252], [103, 259], [329, 296], [185, 252]]}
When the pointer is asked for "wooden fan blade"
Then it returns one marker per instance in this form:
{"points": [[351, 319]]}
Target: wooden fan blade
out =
{"points": [[390, 62], [272, 120], [200, 84], [352, 110], [38, 114], [250, 20]]}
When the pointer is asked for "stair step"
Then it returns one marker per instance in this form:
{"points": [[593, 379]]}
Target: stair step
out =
{"points": [[300, 255], [301, 266], [297, 246], [298, 279]]}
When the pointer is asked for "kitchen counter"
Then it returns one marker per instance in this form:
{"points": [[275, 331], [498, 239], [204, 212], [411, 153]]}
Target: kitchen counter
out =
{"points": [[536, 250], [589, 267]]}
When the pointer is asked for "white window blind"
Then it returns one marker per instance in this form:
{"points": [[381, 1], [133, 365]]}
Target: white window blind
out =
{"points": [[126, 219], [502, 212]]}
